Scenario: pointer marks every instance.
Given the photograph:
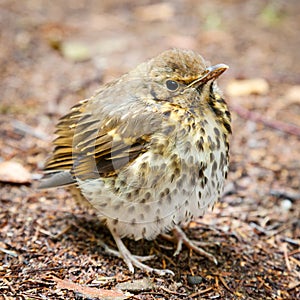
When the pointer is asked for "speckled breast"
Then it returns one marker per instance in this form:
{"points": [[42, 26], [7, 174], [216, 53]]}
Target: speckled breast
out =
{"points": [[180, 176]]}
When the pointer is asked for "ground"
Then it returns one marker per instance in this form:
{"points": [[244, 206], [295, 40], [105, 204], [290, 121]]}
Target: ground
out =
{"points": [[54, 53]]}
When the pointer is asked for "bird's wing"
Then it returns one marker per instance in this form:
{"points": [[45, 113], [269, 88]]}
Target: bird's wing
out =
{"points": [[100, 137]]}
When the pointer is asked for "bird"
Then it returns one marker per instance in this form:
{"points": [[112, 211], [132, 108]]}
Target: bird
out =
{"points": [[149, 151]]}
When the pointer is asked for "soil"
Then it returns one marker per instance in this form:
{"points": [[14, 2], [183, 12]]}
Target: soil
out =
{"points": [[55, 53]]}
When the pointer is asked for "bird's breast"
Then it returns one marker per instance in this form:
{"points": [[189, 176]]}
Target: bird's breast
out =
{"points": [[177, 179]]}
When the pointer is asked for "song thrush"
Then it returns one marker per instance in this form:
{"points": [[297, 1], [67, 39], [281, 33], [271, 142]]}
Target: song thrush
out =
{"points": [[149, 150]]}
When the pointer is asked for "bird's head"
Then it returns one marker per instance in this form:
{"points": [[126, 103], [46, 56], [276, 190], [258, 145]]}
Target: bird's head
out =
{"points": [[182, 79]]}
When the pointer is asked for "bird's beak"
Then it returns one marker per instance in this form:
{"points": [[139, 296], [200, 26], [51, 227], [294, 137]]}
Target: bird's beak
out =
{"points": [[210, 73]]}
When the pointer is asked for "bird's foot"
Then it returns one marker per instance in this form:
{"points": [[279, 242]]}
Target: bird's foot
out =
{"points": [[116, 253], [180, 238], [133, 260]]}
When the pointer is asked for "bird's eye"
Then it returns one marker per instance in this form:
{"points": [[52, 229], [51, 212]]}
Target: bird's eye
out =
{"points": [[172, 85]]}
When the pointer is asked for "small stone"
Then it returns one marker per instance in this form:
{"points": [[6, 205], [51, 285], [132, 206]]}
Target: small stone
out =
{"points": [[194, 280], [286, 204], [75, 51]]}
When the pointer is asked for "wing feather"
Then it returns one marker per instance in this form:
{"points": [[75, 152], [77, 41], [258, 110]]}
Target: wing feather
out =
{"points": [[100, 136]]}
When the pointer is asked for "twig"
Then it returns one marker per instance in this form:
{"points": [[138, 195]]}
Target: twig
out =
{"points": [[225, 284], [172, 292], [28, 295], [256, 117], [284, 194], [52, 269], [26, 129], [11, 253], [193, 295], [9, 285], [286, 258], [290, 241]]}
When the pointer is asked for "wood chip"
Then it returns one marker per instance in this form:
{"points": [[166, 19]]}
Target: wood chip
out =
{"points": [[136, 285]]}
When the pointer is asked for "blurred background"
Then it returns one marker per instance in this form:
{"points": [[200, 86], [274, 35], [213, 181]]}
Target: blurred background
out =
{"points": [[48, 46], [55, 53]]}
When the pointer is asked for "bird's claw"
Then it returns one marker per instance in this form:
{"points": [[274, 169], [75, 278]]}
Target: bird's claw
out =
{"points": [[181, 238]]}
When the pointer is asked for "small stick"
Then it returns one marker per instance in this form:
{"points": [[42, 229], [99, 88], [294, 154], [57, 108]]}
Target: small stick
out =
{"points": [[256, 117]]}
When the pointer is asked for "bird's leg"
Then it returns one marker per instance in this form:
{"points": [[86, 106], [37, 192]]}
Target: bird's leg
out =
{"points": [[133, 260], [180, 238], [116, 253]]}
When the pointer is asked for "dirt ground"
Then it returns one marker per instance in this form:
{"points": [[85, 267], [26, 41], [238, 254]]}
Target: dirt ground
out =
{"points": [[55, 53]]}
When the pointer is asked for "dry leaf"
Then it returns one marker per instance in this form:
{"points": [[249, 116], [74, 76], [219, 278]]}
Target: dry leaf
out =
{"points": [[14, 172], [155, 12], [247, 87], [293, 94], [75, 51], [91, 292]]}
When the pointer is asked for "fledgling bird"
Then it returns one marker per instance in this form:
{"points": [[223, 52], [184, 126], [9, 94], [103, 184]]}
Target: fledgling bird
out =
{"points": [[149, 150]]}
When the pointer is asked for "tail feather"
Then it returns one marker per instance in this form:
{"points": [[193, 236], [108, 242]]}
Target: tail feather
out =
{"points": [[60, 178]]}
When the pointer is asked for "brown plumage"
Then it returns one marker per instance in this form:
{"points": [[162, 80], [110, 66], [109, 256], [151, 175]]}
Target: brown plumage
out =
{"points": [[149, 150]]}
